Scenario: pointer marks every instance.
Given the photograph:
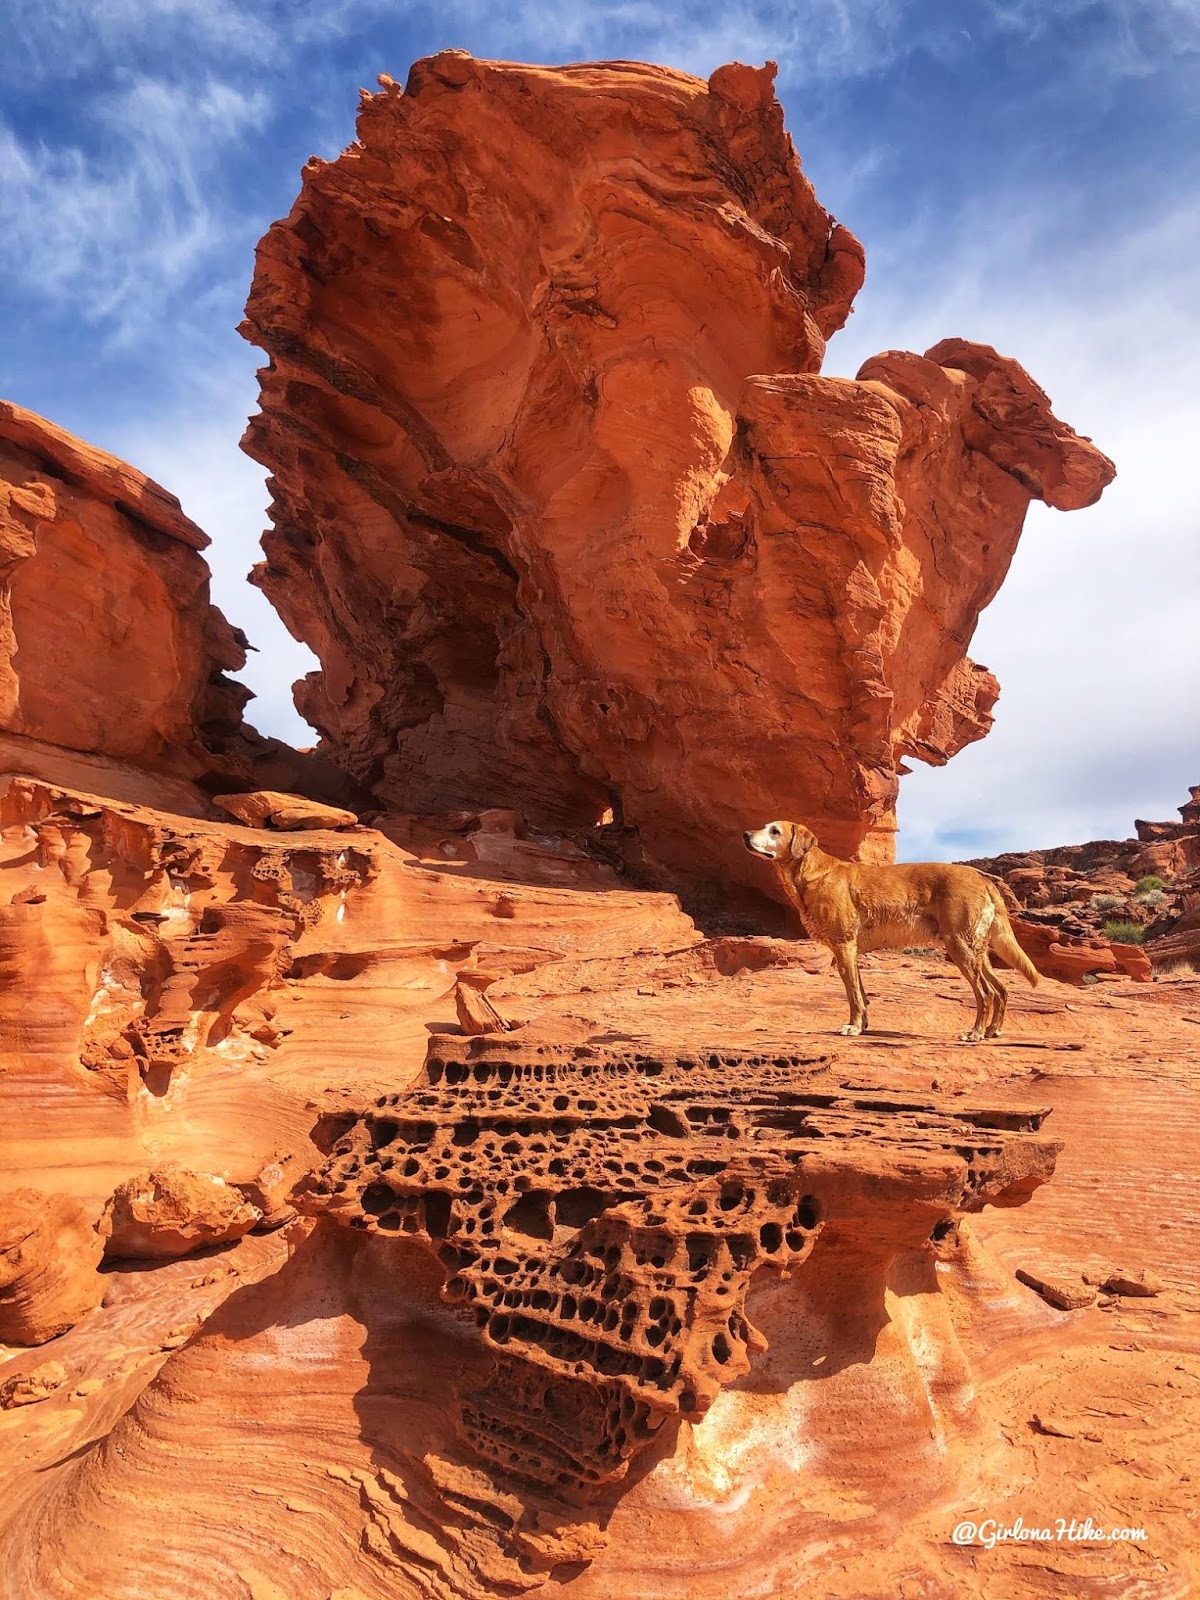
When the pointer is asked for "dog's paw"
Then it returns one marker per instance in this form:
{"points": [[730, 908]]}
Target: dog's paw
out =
{"points": [[850, 1030], [974, 1037]]}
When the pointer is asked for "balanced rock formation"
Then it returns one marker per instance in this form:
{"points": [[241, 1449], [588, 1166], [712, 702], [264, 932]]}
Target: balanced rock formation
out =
{"points": [[560, 501], [169, 1212], [49, 1252]]}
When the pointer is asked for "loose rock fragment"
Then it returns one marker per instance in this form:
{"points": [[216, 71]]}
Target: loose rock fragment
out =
{"points": [[1142, 1285], [1064, 1293], [170, 1212], [267, 808], [29, 1387]]}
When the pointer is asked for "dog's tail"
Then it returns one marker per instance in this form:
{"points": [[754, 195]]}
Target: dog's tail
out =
{"points": [[1003, 940]]}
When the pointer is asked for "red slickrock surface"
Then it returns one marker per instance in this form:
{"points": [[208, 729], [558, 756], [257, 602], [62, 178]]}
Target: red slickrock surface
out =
{"points": [[285, 1417]]}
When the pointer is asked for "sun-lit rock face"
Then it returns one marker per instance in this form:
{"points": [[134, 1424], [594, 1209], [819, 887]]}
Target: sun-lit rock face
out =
{"points": [[108, 642], [170, 1212], [49, 1252], [559, 499]]}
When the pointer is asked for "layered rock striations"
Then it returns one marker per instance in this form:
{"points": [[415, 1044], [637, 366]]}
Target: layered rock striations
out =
{"points": [[108, 641], [560, 500], [49, 1253]]}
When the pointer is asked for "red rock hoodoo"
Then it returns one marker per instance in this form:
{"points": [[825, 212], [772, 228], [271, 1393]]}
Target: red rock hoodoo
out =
{"points": [[560, 501]]}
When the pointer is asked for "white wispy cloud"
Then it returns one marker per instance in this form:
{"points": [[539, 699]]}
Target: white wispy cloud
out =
{"points": [[114, 228], [825, 39], [1123, 37]]}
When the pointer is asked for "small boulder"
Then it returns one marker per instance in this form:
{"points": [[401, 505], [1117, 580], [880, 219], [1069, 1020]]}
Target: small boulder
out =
{"points": [[169, 1212], [1064, 1293], [288, 813], [1141, 1285], [476, 1013], [270, 1192], [29, 1387], [49, 1253]]}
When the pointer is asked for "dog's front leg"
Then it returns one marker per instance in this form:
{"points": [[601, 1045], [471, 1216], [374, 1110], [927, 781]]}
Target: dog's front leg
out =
{"points": [[845, 957]]}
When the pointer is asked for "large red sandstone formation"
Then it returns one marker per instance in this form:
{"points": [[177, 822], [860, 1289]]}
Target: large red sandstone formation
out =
{"points": [[108, 642], [600, 1212], [49, 1252], [560, 501], [307, 1413]]}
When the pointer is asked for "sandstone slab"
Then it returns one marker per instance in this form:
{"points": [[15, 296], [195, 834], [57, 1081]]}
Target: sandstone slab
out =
{"points": [[267, 808]]}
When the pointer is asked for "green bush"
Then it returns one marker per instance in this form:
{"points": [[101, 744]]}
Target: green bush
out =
{"points": [[1105, 902], [1122, 932], [1148, 885], [1153, 899]]}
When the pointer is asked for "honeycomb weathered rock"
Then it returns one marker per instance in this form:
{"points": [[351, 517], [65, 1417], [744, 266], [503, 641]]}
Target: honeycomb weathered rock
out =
{"points": [[600, 1211]]}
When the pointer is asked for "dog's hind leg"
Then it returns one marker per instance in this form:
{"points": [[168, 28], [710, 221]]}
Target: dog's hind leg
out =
{"points": [[970, 965], [845, 958], [999, 997]]}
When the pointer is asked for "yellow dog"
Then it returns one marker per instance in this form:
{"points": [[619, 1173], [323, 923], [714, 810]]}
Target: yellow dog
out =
{"points": [[851, 908]]}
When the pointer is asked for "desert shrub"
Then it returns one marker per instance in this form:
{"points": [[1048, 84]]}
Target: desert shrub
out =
{"points": [[1153, 899], [1105, 902], [1148, 885], [1122, 932]]}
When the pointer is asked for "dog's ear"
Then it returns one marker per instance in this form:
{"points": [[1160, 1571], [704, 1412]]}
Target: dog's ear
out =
{"points": [[800, 842]]}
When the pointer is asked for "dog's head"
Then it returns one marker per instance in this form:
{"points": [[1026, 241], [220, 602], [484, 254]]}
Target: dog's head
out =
{"points": [[780, 841]]}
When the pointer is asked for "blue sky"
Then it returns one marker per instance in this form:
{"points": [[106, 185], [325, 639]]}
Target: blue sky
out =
{"points": [[1025, 172]]}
